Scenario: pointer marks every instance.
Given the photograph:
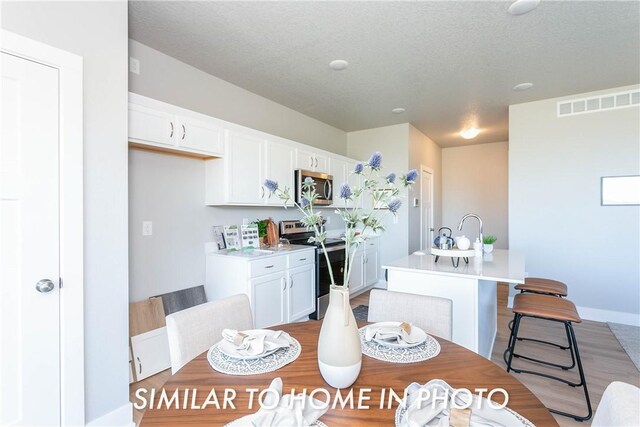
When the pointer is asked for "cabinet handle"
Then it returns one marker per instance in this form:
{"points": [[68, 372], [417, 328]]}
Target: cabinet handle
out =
{"points": [[184, 132], [269, 266], [262, 193], [171, 134], [291, 283], [310, 161], [284, 284], [316, 162], [303, 259], [139, 364]]}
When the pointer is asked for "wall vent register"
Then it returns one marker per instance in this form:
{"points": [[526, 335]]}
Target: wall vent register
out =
{"points": [[610, 101]]}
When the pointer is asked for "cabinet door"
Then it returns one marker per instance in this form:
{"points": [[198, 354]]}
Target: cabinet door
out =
{"points": [[302, 292], [356, 280], [268, 300], [150, 126], [244, 154], [371, 266], [337, 170], [150, 353], [321, 163], [199, 135], [305, 160], [279, 166]]}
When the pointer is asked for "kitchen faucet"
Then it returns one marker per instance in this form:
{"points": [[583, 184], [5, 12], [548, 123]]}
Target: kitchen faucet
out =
{"points": [[480, 232]]}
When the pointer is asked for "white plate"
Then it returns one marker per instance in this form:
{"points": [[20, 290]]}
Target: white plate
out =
{"points": [[416, 332], [229, 349]]}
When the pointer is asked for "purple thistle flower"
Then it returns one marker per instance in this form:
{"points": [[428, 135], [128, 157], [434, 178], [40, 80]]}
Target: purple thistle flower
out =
{"points": [[394, 204], [375, 161], [359, 167], [270, 185], [412, 175], [345, 191], [304, 202], [391, 178]]}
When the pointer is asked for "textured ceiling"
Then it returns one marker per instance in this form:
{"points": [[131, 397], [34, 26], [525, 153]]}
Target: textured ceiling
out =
{"points": [[447, 63]]}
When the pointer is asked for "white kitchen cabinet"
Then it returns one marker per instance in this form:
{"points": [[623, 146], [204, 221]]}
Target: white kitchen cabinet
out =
{"points": [[301, 301], [281, 287], [155, 124], [279, 166], [366, 267], [357, 279], [243, 168], [269, 300], [311, 160], [371, 262], [337, 169], [150, 353]]}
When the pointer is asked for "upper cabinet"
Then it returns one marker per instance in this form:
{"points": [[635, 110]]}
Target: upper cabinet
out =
{"points": [[312, 160], [156, 124], [279, 164]]}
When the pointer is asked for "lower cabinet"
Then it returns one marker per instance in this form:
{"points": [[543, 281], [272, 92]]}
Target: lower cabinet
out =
{"points": [[269, 300], [366, 267], [150, 353], [281, 288]]}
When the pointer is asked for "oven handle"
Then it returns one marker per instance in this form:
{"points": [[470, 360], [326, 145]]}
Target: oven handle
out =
{"points": [[335, 248]]}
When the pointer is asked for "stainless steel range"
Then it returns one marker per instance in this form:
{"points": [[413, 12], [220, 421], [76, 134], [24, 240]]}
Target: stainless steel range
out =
{"points": [[298, 234]]}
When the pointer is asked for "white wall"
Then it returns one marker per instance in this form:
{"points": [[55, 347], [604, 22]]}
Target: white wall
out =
{"points": [[555, 217], [392, 142], [169, 190], [423, 151], [167, 79], [98, 32], [475, 178]]}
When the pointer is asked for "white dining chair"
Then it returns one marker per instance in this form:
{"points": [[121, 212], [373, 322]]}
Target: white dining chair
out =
{"points": [[196, 329], [619, 406], [432, 314]]}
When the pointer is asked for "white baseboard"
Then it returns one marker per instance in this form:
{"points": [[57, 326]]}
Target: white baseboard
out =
{"points": [[599, 315], [120, 417]]}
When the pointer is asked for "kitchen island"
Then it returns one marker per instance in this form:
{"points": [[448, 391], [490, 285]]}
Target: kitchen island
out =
{"points": [[471, 287]]}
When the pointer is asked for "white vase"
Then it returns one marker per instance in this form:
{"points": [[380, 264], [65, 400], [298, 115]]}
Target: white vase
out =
{"points": [[339, 351], [488, 248]]}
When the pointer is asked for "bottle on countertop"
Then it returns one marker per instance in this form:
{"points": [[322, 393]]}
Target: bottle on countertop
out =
{"points": [[477, 246]]}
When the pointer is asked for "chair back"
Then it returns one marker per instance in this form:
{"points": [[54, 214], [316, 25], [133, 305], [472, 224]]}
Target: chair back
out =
{"points": [[196, 329], [619, 406], [432, 314]]}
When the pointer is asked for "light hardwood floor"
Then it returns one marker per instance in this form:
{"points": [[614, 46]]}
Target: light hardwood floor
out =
{"points": [[603, 358]]}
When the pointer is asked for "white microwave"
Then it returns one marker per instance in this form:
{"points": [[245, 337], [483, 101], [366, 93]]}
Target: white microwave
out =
{"points": [[324, 186]]}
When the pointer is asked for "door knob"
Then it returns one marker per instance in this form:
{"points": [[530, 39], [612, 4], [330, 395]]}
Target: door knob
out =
{"points": [[45, 285]]}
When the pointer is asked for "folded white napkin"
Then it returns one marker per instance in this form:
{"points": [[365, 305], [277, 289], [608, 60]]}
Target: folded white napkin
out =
{"points": [[424, 412], [286, 411], [401, 334], [255, 343]]}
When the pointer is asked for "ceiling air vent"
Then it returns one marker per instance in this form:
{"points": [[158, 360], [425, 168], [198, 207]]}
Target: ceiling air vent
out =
{"points": [[610, 101]]}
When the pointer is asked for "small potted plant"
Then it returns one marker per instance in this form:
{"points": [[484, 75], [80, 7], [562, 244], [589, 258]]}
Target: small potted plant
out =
{"points": [[262, 231], [488, 243]]}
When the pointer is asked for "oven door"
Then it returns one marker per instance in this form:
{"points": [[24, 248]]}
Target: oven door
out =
{"points": [[337, 260], [324, 186]]}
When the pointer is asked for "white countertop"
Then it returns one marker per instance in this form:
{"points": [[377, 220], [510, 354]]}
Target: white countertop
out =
{"points": [[257, 253], [501, 265]]}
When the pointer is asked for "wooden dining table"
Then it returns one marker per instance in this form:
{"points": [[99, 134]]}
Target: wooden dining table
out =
{"points": [[456, 365]]}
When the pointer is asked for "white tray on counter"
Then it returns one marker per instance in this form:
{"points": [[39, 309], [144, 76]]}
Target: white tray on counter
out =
{"points": [[456, 253]]}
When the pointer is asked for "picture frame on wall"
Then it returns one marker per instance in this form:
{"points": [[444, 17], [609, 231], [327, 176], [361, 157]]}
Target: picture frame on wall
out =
{"points": [[620, 190]]}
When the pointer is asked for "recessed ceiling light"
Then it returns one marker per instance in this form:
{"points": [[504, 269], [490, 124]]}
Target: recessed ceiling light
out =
{"points": [[469, 133], [338, 64], [523, 86], [398, 110], [520, 7]]}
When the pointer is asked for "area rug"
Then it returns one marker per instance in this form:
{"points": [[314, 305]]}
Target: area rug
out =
{"points": [[361, 313], [629, 338]]}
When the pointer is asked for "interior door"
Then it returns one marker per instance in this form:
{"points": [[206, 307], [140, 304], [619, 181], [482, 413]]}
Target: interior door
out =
{"points": [[29, 244], [426, 219]]}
